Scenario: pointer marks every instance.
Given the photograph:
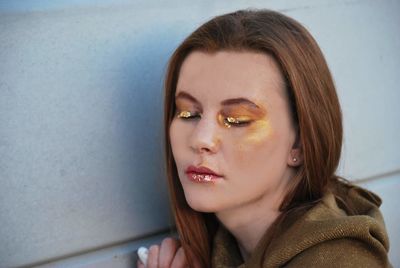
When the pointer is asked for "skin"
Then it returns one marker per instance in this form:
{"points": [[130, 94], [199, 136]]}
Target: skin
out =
{"points": [[255, 157], [168, 254]]}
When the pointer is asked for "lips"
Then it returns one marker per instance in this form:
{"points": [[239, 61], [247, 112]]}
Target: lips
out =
{"points": [[202, 174]]}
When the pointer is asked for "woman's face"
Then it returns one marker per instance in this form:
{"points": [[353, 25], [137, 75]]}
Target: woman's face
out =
{"points": [[232, 117]]}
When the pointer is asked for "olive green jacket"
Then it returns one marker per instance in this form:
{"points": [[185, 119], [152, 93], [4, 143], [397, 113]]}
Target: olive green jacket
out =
{"points": [[327, 235]]}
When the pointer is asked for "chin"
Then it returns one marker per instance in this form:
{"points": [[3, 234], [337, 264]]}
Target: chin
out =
{"points": [[202, 205]]}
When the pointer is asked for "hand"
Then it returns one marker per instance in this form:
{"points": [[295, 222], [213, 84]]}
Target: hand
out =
{"points": [[168, 255]]}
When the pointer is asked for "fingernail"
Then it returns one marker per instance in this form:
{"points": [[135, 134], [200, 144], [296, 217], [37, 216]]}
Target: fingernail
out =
{"points": [[143, 253]]}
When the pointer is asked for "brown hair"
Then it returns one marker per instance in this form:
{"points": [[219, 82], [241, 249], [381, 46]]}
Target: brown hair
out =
{"points": [[311, 93]]}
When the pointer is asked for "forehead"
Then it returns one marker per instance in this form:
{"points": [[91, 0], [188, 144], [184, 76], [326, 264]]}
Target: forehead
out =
{"points": [[230, 74]]}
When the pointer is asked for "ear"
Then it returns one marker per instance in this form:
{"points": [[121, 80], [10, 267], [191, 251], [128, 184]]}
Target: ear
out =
{"points": [[295, 157]]}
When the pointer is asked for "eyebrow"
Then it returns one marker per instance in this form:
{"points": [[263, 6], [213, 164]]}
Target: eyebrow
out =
{"points": [[239, 101], [234, 101], [184, 95]]}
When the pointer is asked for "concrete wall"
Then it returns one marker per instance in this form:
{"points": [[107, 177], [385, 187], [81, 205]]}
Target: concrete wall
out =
{"points": [[81, 110]]}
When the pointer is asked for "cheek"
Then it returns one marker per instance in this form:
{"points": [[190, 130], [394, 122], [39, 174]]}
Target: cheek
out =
{"points": [[175, 137], [257, 136], [258, 133], [259, 147], [179, 135]]}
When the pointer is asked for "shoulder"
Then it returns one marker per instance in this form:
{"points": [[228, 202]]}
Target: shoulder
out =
{"points": [[344, 252], [330, 235]]}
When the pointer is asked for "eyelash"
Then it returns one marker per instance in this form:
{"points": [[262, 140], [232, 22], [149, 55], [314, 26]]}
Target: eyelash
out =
{"points": [[186, 115], [231, 121], [228, 121]]}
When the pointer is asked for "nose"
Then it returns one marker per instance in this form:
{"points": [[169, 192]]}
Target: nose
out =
{"points": [[206, 137]]}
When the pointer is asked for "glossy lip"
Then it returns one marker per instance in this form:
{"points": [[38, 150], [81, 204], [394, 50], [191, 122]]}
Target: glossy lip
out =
{"points": [[201, 174]]}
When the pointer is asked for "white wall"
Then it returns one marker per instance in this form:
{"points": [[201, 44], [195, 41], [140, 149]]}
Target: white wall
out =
{"points": [[81, 110]]}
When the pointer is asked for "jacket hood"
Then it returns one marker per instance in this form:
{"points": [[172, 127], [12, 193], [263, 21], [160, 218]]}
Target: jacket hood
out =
{"points": [[347, 219]]}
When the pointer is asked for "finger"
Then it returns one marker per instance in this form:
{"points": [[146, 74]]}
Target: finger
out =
{"points": [[152, 261], [168, 248], [143, 254], [139, 264], [179, 260]]}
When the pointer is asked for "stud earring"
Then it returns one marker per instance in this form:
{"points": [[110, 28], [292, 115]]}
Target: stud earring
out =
{"points": [[294, 159]]}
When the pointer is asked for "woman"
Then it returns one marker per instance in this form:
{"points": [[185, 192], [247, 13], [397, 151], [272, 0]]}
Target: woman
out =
{"points": [[253, 137]]}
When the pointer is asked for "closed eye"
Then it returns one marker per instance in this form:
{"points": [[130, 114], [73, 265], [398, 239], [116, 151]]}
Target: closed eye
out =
{"points": [[237, 122], [186, 115]]}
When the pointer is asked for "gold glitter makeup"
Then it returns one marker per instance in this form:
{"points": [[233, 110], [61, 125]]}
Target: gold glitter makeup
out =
{"points": [[240, 114], [184, 114], [229, 121], [258, 131], [185, 109], [243, 109], [252, 117], [235, 113]]}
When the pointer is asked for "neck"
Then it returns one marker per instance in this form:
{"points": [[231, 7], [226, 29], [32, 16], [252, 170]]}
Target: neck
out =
{"points": [[248, 226], [248, 222]]}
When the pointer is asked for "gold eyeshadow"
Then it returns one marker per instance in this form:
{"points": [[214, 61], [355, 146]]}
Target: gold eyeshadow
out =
{"points": [[229, 121], [183, 104], [258, 131], [239, 115], [184, 114], [239, 119], [185, 110], [244, 110], [236, 115]]}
